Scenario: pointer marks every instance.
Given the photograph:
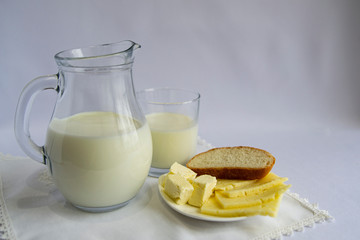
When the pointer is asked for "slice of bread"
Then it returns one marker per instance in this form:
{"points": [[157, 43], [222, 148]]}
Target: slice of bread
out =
{"points": [[245, 163]]}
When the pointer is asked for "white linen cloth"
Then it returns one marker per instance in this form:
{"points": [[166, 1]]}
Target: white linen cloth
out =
{"points": [[31, 207]]}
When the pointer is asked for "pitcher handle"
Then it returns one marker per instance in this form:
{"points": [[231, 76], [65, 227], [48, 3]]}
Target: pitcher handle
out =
{"points": [[22, 114]]}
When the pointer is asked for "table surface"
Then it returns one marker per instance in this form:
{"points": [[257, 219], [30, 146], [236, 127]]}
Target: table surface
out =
{"points": [[321, 165]]}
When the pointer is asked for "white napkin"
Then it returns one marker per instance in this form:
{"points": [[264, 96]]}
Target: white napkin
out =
{"points": [[36, 210], [6, 228]]}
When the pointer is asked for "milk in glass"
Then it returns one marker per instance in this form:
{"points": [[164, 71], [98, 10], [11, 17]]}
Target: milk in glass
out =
{"points": [[174, 138]]}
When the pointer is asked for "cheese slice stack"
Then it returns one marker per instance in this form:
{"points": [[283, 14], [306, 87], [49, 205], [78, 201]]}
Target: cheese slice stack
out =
{"points": [[235, 198]]}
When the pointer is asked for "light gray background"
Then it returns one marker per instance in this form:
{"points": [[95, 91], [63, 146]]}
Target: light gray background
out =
{"points": [[284, 63], [282, 75]]}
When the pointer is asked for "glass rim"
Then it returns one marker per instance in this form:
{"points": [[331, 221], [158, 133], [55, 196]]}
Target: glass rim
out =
{"points": [[148, 90]]}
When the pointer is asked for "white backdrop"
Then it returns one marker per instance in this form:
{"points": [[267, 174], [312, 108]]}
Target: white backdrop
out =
{"points": [[256, 63], [283, 75]]}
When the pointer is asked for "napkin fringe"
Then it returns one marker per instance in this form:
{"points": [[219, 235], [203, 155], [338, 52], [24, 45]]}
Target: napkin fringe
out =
{"points": [[10, 157], [6, 228], [204, 143], [319, 216]]}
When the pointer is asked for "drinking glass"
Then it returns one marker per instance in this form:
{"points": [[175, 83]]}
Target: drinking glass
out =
{"points": [[172, 115]]}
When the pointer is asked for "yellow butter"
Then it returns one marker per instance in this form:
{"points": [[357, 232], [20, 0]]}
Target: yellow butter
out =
{"points": [[178, 188], [162, 179], [187, 173], [203, 189]]}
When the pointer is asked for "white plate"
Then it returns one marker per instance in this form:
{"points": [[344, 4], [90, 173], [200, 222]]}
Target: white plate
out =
{"points": [[194, 212]]}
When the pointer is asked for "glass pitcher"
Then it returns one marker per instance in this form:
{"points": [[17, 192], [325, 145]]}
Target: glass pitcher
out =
{"points": [[98, 144]]}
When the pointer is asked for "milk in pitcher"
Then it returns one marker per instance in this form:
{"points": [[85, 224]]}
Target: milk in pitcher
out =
{"points": [[98, 158]]}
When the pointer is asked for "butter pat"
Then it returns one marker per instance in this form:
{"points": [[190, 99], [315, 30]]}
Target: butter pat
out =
{"points": [[178, 188], [185, 172], [162, 179], [203, 189], [178, 169]]}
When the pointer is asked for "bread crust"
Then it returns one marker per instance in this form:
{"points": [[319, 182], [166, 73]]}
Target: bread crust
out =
{"points": [[234, 172]]}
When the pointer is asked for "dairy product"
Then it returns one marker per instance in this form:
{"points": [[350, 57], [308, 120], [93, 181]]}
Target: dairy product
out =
{"points": [[247, 198], [212, 207], [98, 158], [228, 184], [178, 188], [162, 179], [174, 138], [203, 189], [224, 198], [269, 181], [179, 169], [187, 173], [252, 200]]}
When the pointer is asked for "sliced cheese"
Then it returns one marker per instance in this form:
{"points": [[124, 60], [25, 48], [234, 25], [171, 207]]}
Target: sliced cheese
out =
{"points": [[227, 184], [212, 207], [259, 186], [252, 200]]}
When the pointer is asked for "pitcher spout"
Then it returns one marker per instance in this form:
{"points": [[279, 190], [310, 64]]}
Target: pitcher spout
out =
{"points": [[136, 46]]}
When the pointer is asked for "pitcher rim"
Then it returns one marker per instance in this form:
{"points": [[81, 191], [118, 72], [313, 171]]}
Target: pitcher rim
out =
{"points": [[133, 45]]}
